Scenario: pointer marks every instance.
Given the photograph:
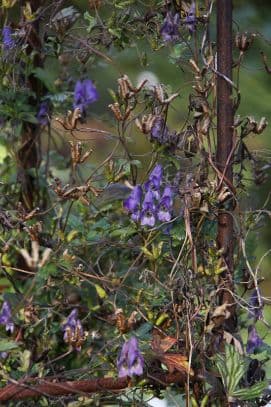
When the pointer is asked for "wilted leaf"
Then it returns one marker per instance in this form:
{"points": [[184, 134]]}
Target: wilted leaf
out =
{"points": [[175, 361], [161, 345]]}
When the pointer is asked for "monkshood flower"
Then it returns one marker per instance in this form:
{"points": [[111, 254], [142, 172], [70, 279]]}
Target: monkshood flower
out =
{"points": [[85, 93], [170, 27], [6, 318], [73, 331], [130, 361], [133, 202], [255, 309], [7, 38], [148, 214], [191, 19], [43, 114], [165, 205], [254, 341], [154, 182]]}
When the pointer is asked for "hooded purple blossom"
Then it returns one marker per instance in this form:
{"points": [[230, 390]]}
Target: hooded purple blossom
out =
{"points": [[154, 182], [6, 318], [130, 361], [254, 341], [255, 309], [170, 27], [85, 93], [8, 41], [165, 205], [191, 19], [148, 214], [73, 331], [132, 203], [43, 114]]}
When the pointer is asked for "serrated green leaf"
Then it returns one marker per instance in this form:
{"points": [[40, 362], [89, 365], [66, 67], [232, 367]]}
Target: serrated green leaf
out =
{"points": [[250, 393]]}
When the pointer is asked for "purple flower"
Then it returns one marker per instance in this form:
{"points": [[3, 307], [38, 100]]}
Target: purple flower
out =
{"points": [[8, 40], [148, 214], [43, 114], [5, 317], [170, 27], [255, 308], [130, 361], [132, 203], [165, 205], [73, 331], [191, 19], [253, 341], [154, 182], [159, 130], [85, 93]]}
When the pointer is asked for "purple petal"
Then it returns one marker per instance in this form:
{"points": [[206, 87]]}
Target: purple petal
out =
{"points": [[254, 341], [170, 27]]}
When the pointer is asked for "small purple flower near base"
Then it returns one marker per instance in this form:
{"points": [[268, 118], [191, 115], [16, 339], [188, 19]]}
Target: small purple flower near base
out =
{"points": [[7, 38], [85, 93], [6, 318], [170, 27], [130, 361], [254, 341], [165, 205], [43, 114], [73, 331], [148, 214], [191, 19]]}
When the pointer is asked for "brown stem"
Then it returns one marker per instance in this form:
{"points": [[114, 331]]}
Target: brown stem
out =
{"points": [[225, 121], [29, 390]]}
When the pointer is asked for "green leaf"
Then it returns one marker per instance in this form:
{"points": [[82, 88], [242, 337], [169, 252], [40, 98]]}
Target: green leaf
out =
{"points": [[100, 291], [250, 393], [46, 77], [91, 21], [6, 345]]}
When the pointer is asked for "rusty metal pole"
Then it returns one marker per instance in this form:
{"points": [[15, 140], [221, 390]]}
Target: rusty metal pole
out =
{"points": [[225, 119]]}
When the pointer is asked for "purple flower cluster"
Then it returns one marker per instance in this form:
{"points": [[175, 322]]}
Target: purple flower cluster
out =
{"points": [[171, 24], [85, 93], [8, 40], [147, 204], [73, 331], [191, 19], [170, 27], [43, 114], [130, 361], [6, 317]]}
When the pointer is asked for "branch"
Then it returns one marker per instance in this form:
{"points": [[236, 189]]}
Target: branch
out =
{"points": [[25, 390]]}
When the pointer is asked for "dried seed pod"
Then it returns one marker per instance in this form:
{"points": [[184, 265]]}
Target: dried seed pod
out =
{"points": [[261, 125], [115, 107], [244, 40]]}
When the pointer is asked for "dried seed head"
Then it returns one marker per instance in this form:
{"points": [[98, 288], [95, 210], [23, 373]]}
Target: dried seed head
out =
{"points": [[244, 40], [115, 107], [261, 125]]}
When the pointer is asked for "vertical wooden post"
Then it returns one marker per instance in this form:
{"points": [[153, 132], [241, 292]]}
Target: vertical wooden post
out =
{"points": [[225, 118]]}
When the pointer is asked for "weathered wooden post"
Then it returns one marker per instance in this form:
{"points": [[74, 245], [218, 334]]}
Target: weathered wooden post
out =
{"points": [[225, 120]]}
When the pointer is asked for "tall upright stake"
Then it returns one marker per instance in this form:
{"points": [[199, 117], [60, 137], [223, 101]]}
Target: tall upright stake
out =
{"points": [[225, 117]]}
